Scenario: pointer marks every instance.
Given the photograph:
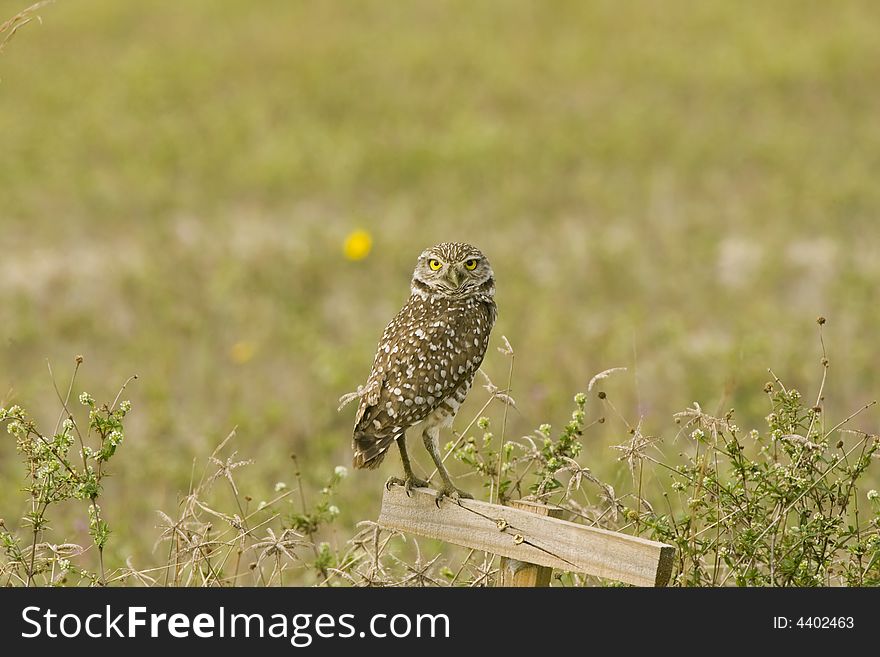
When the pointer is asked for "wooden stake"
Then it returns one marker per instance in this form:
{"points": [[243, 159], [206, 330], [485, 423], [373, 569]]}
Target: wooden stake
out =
{"points": [[522, 574]]}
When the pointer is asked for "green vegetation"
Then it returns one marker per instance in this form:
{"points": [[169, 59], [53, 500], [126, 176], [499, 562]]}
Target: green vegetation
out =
{"points": [[676, 188]]}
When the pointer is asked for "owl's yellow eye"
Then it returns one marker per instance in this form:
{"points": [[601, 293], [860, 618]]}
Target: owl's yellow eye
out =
{"points": [[434, 264], [470, 264]]}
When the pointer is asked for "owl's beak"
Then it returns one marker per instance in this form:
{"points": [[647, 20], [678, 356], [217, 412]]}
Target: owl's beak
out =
{"points": [[452, 277]]}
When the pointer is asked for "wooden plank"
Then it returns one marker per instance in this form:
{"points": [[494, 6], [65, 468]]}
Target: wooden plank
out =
{"points": [[519, 573], [528, 537]]}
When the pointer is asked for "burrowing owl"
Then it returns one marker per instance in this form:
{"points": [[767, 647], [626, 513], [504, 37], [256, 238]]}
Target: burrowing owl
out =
{"points": [[427, 359]]}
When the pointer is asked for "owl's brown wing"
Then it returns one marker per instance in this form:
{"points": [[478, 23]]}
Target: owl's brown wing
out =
{"points": [[373, 429]]}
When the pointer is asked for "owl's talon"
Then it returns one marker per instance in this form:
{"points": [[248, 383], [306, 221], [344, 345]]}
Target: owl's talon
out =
{"points": [[408, 484], [453, 493]]}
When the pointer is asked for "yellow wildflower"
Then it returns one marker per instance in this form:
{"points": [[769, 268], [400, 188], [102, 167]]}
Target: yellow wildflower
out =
{"points": [[357, 245], [242, 351]]}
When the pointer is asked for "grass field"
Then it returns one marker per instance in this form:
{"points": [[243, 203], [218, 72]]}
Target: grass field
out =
{"points": [[676, 188]]}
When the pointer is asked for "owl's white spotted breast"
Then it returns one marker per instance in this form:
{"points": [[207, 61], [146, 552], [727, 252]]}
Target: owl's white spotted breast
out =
{"points": [[431, 349]]}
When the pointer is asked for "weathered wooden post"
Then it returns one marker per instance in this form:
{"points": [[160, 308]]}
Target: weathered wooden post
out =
{"points": [[529, 536], [522, 574]]}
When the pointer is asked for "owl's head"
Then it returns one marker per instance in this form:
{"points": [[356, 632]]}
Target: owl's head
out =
{"points": [[453, 269]]}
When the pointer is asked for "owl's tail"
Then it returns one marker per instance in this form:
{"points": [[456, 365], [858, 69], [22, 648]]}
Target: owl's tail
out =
{"points": [[369, 449]]}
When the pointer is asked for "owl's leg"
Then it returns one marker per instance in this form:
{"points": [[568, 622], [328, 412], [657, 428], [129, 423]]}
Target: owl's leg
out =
{"points": [[431, 437], [409, 480]]}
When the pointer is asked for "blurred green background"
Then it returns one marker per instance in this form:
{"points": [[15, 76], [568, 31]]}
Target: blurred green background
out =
{"points": [[679, 188]]}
